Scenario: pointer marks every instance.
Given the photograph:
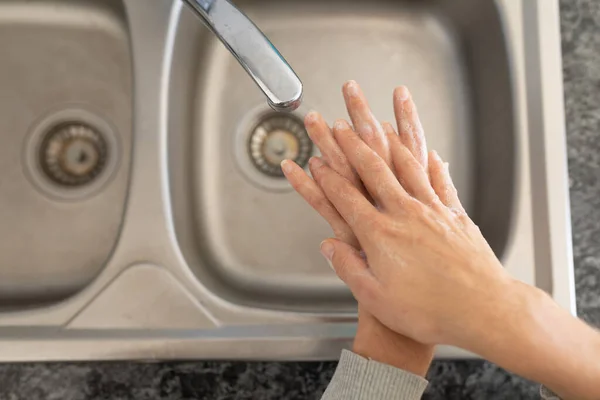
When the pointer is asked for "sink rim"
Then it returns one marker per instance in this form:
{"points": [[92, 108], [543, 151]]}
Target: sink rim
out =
{"points": [[148, 231]]}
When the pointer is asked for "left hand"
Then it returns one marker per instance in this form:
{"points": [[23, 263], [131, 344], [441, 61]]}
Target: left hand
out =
{"points": [[373, 339], [425, 255]]}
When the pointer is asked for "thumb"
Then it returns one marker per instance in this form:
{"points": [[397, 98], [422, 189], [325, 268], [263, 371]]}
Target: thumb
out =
{"points": [[351, 268]]}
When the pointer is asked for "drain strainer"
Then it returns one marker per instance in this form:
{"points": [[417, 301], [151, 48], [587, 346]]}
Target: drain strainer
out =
{"points": [[276, 138], [71, 154], [264, 139]]}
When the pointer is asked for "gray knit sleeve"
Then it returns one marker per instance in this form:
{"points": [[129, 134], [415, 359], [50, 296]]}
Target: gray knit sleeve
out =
{"points": [[547, 394], [357, 378]]}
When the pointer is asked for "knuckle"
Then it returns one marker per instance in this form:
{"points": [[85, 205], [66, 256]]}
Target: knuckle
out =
{"points": [[376, 166], [463, 221], [340, 165], [321, 176], [414, 206], [437, 205], [338, 158], [412, 163], [344, 261], [460, 214], [382, 226], [382, 187], [406, 128], [366, 132], [322, 203], [341, 265], [365, 293], [377, 225], [360, 217], [372, 133], [343, 232], [411, 110], [435, 168], [355, 180]]}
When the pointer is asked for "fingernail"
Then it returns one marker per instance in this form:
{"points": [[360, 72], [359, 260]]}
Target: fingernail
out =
{"points": [[402, 93], [327, 249], [315, 162], [286, 166], [388, 128], [330, 264], [311, 117], [436, 156], [341, 124], [351, 88]]}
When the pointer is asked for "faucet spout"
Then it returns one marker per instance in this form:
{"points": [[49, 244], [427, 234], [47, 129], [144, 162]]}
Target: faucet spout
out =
{"points": [[253, 50]]}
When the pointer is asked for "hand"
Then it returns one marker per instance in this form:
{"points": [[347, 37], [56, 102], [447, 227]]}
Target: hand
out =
{"points": [[373, 339], [432, 276], [424, 252], [418, 238]]}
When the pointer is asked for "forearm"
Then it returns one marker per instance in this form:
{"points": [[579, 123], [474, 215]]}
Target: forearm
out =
{"points": [[374, 341], [532, 336]]}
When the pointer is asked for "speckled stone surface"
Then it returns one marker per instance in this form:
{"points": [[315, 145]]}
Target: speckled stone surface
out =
{"points": [[449, 380]]}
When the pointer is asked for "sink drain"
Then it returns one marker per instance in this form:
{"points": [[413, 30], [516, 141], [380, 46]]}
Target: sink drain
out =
{"points": [[71, 154], [264, 139], [277, 138]]}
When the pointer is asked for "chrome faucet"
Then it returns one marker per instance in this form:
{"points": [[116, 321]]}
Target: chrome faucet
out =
{"points": [[253, 50]]}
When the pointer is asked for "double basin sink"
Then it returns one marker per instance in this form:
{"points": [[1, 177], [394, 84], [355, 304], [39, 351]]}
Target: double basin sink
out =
{"points": [[141, 216]]}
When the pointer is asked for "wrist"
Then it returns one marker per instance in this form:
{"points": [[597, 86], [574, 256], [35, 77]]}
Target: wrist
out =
{"points": [[494, 315], [375, 341], [530, 335]]}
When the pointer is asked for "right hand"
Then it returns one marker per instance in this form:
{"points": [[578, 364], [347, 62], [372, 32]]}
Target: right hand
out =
{"points": [[432, 276], [429, 266]]}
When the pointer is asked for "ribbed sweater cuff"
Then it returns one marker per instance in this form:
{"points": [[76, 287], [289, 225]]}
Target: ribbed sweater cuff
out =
{"points": [[358, 378], [548, 394]]}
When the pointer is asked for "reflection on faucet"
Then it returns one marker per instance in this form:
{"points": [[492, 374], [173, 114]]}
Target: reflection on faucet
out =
{"points": [[254, 52]]}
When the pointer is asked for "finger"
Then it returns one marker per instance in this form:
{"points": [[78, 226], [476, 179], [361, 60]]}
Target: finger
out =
{"points": [[350, 203], [410, 172], [442, 182], [388, 128], [323, 138], [365, 124], [390, 132], [314, 196], [353, 270], [410, 128], [376, 175]]}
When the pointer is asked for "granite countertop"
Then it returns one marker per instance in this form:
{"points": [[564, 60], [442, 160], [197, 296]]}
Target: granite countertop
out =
{"points": [[462, 380]]}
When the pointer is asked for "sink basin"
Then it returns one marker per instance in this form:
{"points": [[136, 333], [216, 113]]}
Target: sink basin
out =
{"points": [[64, 63], [195, 247], [248, 235]]}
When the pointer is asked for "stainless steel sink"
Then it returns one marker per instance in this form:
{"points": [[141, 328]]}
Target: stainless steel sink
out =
{"points": [[66, 64], [214, 256]]}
